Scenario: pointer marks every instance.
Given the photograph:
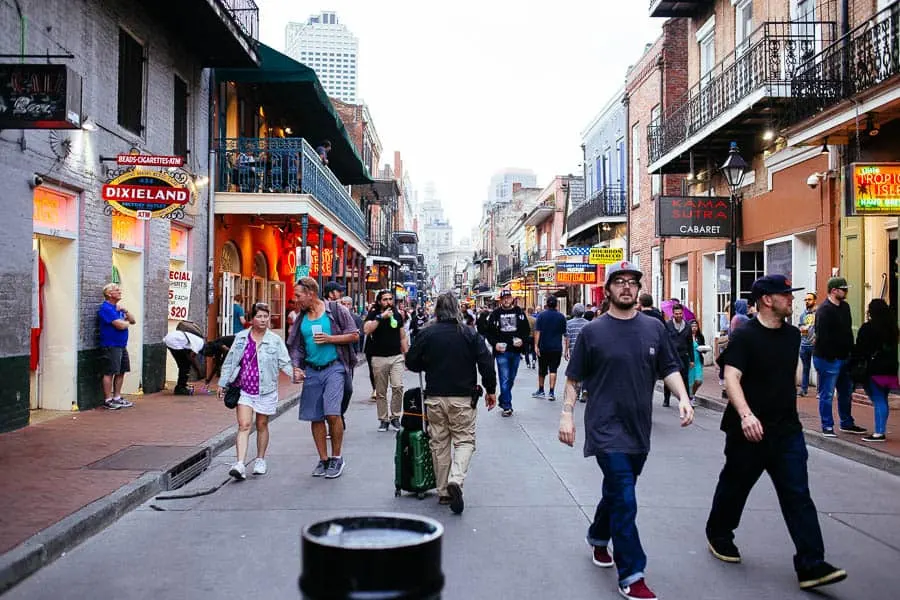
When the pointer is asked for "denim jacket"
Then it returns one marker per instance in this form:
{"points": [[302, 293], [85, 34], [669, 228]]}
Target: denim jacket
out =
{"points": [[271, 353], [341, 323]]}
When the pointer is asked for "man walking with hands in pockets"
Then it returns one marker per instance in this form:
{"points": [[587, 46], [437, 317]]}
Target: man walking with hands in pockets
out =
{"points": [[617, 359]]}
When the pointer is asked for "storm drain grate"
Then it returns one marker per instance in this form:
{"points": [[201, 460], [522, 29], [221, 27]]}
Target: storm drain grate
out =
{"points": [[186, 470], [144, 458]]}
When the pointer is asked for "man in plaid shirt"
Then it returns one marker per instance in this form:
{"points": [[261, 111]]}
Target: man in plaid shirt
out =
{"points": [[573, 328]]}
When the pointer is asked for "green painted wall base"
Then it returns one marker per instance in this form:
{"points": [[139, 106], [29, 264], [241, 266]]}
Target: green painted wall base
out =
{"points": [[14, 392], [154, 368], [90, 378]]}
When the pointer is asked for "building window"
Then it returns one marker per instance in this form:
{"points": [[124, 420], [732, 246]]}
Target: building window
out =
{"points": [[743, 25], [180, 118], [635, 165], [655, 179], [131, 83], [620, 163], [706, 38]]}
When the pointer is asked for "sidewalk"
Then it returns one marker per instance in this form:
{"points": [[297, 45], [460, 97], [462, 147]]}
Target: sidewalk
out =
{"points": [[51, 470], [885, 455]]}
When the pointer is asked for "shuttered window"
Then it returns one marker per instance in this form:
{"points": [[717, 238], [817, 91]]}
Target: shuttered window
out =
{"points": [[131, 83], [180, 118]]}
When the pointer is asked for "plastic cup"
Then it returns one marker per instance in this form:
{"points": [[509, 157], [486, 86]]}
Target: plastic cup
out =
{"points": [[502, 346], [316, 329], [369, 549]]}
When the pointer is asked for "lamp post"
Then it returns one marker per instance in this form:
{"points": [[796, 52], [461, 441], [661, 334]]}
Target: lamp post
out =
{"points": [[734, 169]]}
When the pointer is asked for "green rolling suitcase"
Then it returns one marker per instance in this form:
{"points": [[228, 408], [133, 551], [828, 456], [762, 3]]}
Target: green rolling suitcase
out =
{"points": [[413, 467]]}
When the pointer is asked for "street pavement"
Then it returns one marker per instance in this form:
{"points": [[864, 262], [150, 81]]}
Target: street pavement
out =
{"points": [[529, 500]]}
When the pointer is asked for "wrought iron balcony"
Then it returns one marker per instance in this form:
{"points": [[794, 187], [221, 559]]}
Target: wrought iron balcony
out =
{"points": [[246, 14], [285, 166], [536, 256], [864, 58], [384, 249], [504, 275], [678, 8], [727, 104], [606, 202]]}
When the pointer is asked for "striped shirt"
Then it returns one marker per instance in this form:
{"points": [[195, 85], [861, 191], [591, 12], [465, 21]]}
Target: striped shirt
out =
{"points": [[573, 328]]}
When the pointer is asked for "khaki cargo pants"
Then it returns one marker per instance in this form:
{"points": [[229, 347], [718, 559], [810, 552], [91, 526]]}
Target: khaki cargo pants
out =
{"points": [[388, 370], [451, 420]]}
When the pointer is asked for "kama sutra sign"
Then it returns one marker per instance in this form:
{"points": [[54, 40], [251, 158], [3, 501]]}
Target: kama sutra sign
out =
{"points": [[145, 194], [693, 216]]}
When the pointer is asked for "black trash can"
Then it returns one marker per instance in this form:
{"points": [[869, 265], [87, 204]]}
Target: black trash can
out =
{"points": [[382, 556]]}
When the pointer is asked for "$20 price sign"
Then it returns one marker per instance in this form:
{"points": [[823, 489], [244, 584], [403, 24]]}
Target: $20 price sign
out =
{"points": [[179, 294]]}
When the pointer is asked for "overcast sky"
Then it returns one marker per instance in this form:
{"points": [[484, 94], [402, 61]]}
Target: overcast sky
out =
{"points": [[466, 88]]}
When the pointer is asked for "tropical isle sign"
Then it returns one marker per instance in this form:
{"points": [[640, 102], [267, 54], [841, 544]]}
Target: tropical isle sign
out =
{"points": [[146, 194], [876, 189]]}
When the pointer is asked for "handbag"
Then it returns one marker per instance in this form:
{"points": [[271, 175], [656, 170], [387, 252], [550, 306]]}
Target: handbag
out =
{"points": [[859, 369], [233, 392]]}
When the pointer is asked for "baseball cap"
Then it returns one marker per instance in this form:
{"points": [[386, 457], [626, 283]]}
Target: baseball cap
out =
{"points": [[837, 282], [332, 286], [620, 268], [505, 292], [772, 284]]}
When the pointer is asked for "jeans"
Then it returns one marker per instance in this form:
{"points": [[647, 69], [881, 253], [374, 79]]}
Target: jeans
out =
{"points": [[616, 513], [507, 367], [878, 396], [784, 458], [805, 360], [834, 374], [183, 360]]}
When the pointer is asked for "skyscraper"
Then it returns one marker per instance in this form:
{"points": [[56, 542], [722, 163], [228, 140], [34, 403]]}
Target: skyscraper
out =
{"points": [[502, 182], [329, 49]]}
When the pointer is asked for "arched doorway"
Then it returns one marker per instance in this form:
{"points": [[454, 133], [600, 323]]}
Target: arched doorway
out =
{"points": [[229, 285]]}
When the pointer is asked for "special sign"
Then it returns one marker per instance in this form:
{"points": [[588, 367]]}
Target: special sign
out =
{"points": [[876, 189], [179, 294], [606, 256], [576, 273], [146, 194], [694, 217]]}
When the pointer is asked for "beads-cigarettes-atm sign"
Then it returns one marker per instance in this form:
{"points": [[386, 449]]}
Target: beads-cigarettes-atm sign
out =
{"points": [[876, 189]]}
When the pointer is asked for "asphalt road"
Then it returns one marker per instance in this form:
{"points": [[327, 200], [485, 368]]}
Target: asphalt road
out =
{"points": [[529, 500]]}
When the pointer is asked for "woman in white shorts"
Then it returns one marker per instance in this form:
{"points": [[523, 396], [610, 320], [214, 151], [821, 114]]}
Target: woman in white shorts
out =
{"points": [[253, 363]]}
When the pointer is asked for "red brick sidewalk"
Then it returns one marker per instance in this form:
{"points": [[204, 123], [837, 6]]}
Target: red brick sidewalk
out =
{"points": [[46, 472], [808, 408]]}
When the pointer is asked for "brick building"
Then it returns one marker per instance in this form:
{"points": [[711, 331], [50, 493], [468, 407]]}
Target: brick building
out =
{"points": [[652, 85], [144, 85]]}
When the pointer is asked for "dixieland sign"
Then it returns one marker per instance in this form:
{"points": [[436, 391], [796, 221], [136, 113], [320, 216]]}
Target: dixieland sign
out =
{"points": [[693, 216], [146, 194]]}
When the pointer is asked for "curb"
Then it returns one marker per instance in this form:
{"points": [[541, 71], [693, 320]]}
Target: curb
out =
{"points": [[47, 545], [861, 454]]}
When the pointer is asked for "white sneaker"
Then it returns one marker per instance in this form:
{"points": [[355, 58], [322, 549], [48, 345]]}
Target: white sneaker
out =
{"points": [[259, 466], [238, 471]]}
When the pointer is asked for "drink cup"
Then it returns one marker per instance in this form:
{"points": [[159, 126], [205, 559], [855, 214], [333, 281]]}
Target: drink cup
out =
{"points": [[316, 329], [502, 346]]}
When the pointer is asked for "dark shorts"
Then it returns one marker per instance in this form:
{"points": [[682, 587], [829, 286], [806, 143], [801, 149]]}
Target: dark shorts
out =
{"points": [[323, 393], [115, 360], [549, 361]]}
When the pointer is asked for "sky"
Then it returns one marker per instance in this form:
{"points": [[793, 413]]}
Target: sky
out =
{"points": [[467, 88]]}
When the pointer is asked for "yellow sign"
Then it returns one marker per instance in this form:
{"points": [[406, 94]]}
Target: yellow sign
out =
{"points": [[606, 256], [145, 194], [546, 276]]}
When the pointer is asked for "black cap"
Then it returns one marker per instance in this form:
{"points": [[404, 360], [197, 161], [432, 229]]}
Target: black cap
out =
{"points": [[772, 284], [332, 286]]}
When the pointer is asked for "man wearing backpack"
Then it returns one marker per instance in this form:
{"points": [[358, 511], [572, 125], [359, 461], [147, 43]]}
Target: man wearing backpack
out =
{"points": [[448, 353]]}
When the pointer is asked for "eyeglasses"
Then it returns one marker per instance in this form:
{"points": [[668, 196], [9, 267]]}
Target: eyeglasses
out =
{"points": [[622, 282]]}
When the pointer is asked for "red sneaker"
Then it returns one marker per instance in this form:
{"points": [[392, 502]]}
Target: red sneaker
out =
{"points": [[637, 591], [602, 557]]}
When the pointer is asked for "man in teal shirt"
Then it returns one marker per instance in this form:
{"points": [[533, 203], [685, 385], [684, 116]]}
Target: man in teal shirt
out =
{"points": [[239, 323]]}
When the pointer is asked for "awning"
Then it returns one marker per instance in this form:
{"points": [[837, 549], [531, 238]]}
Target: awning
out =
{"points": [[294, 91]]}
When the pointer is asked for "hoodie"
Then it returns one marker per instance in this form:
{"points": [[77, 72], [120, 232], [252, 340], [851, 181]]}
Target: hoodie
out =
{"points": [[740, 316]]}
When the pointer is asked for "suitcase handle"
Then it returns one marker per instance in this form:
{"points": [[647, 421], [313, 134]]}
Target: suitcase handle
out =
{"points": [[422, 401]]}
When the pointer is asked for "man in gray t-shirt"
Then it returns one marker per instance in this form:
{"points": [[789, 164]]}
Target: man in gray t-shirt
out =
{"points": [[618, 358]]}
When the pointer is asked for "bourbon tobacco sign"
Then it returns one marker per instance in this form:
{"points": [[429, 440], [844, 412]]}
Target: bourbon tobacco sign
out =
{"points": [[693, 216]]}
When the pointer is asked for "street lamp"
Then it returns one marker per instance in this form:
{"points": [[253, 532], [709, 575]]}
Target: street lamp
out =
{"points": [[734, 169]]}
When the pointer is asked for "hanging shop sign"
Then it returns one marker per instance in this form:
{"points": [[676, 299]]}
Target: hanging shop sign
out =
{"points": [[693, 216], [546, 276], [179, 295], [576, 273], [605, 256], [876, 189], [39, 97], [147, 194]]}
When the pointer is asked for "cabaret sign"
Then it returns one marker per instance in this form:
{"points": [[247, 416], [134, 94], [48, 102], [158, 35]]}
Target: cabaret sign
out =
{"points": [[693, 217], [147, 194]]}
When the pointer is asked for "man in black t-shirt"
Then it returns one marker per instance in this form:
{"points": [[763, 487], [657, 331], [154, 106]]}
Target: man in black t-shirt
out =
{"points": [[618, 357], [763, 433], [387, 343]]}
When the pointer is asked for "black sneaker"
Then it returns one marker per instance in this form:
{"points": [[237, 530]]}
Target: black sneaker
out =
{"points": [[456, 498], [724, 550], [875, 437], [551, 397], [854, 429], [828, 432], [821, 574], [395, 424], [383, 426]]}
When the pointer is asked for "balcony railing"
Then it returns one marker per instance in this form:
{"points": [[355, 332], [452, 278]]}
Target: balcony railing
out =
{"points": [[865, 57], [536, 256], [607, 202], [769, 60], [246, 14], [384, 248], [504, 275], [285, 166]]}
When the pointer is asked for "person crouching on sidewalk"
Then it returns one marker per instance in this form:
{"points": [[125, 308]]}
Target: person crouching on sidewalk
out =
{"points": [[449, 353], [253, 362], [320, 345]]}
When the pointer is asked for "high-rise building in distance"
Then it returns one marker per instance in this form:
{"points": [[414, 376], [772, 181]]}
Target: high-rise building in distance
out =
{"points": [[329, 49]]}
